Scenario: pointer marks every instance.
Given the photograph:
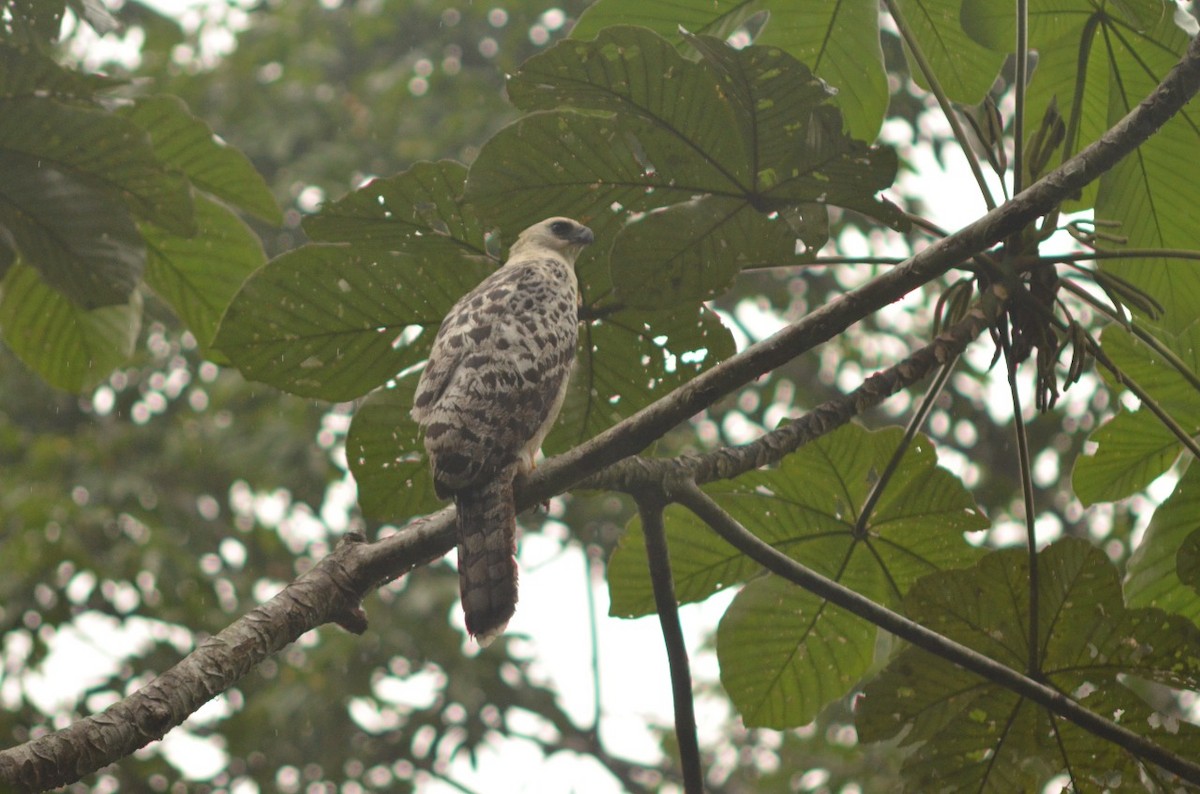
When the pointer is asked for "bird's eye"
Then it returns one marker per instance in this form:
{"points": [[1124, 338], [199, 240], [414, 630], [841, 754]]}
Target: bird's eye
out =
{"points": [[561, 228]]}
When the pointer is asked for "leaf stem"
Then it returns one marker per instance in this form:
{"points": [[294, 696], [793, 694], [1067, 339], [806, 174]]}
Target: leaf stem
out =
{"points": [[1033, 662], [1149, 402], [1021, 78], [1081, 63], [910, 432], [943, 99], [1122, 253]]}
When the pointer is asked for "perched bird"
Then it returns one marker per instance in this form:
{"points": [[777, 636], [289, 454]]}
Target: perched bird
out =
{"points": [[494, 384]]}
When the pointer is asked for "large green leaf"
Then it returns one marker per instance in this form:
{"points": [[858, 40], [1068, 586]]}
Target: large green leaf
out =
{"points": [[744, 128], [1144, 192], [199, 275], [971, 734], [701, 562], [1152, 576], [99, 146], [700, 246], [416, 211], [330, 321], [26, 71], [1132, 449], [630, 359], [993, 24], [186, 144], [76, 232], [785, 654], [808, 509], [386, 457], [839, 41], [964, 69], [1166, 385], [70, 347]]}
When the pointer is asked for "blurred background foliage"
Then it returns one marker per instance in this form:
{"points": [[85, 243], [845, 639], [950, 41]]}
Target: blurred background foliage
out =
{"points": [[172, 495]]}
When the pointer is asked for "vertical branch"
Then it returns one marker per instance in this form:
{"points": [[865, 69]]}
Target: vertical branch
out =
{"points": [[650, 509], [1033, 662]]}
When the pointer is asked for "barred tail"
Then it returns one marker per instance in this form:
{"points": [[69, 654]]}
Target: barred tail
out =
{"points": [[487, 565]]}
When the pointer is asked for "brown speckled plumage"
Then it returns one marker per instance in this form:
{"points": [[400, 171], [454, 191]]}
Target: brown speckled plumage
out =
{"points": [[494, 384]]}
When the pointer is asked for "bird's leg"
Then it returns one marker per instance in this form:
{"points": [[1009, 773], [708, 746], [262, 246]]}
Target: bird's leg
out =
{"points": [[527, 467]]}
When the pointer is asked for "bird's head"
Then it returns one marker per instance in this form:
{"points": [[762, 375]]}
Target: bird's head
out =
{"points": [[558, 234]]}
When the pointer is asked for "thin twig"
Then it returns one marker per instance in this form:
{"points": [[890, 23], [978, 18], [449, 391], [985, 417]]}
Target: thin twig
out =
{"points": [[690, 496], [910, 432], [589, 567], [1121, 253], [1150, 340], [650, 510]]}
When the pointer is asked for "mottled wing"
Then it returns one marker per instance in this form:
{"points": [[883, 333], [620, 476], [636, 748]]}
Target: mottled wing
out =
{"points": [[495, 373]]}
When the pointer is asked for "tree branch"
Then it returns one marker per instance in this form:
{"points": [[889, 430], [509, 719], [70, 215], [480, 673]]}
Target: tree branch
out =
{"points": [[650, 509], [637, 473], [643, 428], [690, 496], [729, 462], [332, 590]]}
